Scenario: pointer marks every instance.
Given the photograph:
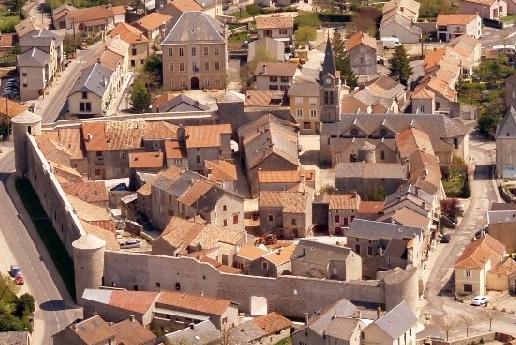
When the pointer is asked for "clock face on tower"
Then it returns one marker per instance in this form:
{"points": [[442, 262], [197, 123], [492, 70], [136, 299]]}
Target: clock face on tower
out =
{"points": [[328, 81]]}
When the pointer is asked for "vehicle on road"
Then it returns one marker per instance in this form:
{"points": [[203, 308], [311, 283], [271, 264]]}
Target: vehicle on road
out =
{"points": [[480, 300], [508, 49], [18, 280], [446, 238], [14, 270], [390, 42]]}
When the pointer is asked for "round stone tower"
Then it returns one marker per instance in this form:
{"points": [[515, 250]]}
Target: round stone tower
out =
{"points": [[88, 262], [401, 285], [367, 153], [23, 124]]}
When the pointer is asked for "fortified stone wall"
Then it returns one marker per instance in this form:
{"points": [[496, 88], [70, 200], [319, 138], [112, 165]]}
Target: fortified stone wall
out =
{"points": [[288, 295], [52, 197]]}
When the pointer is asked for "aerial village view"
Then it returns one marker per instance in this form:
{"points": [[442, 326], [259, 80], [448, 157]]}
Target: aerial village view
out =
{"points": [[264, 172]]}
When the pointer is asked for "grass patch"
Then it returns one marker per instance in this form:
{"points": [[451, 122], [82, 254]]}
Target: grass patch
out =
{"points": [[238, 38], [286, 341], [510, 18], [8, 21], [47, 233]]}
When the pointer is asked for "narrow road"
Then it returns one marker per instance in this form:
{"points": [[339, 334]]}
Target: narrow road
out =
{"points": [[40, 12], [54, 307], [439, 301]]}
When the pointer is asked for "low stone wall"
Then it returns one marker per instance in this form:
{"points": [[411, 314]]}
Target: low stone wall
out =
{"points": [[288, 295], [477, 339], [52, 197]]}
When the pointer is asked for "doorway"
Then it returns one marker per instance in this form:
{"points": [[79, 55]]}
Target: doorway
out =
{"points": [[194, 83]]}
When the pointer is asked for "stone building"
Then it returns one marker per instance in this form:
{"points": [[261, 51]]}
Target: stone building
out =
{"points": [[195, 59], [326, 261], [138, 43], [273, 264], [490, 9], [450, 26], [94, 19], [506, 146], [398, 20], [362, 53], [274, 75], [279, 27], [510, 91]]}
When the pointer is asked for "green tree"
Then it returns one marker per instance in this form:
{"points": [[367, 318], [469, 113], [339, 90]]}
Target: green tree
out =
{"points": [[493, 71], [11, 323], [490, 118], [308, 19], [342, 61], [305, 34], [25, 305], [253, 10], [399, 65], [140, 97]]}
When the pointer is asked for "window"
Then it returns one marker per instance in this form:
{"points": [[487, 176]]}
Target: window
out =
{"points": [[224, 207], [158, 285], [357, 248], [370, 251], [169, 51], [84, 95], [456, 143], [181, 67], [84, 106], [225, 222], [285, 79], [467, 273], [273, 87], [235, 219], [337, 218], [282, 31], [123, 155], [181, 52], [194, 51], [271, 218], [206, 66], [98, 153], [142, 62], [382, 155], [171, 67], [362, 59], [24, 84], [136, 287], [284, 88], [216, 50], [293, 221], [178, 286], [217, 66], [265, 265], [273, 78], [299, 100], [299, 112], [313, 112], [307, 125], [312, 101], [422, 108], [205, 51], [198, 159], [133, 51], [24, 74], [133, 63]]}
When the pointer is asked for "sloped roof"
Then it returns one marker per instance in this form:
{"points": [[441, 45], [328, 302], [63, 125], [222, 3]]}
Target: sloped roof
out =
{"points": [[281, 256], [194, 303], [411, 140], [371, 170], [10, 108], [25, 26], [320, 322], [146, 159], [89, 191], [186, 5], [88, 14], [501, 216], [219, 170], [360, 38], [455, 19], [206, 135], [33, 57], [290, 202], [40, 38], [344, 202], [93, 330], [397, 321], [250, 252], [196, 27], [132, 333], [282, 69], [374, 230], [406, 216], [135, 301], [506, 267], [128, 33], [275, 22], [155, 20], [319, 253], [285, 176], [265, 98], [479, 251], [263, 326], [507, 127], [425, 171], [94, 78]]}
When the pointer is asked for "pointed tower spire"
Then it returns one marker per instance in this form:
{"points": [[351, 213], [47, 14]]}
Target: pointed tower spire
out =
{"points": [[328, 65]]}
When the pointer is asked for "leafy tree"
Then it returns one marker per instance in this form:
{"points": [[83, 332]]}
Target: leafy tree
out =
{"points": [[308, 19], [492, 71], [11, 323], [25, 305], [450, 206], [154, 66], [253, 10], [400, 65], [305, 34], [140, 97], [364, 21], [16, 6], [490, 118], [342, 61]]}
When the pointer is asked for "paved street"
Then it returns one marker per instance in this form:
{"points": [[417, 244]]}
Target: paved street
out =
{"points": [[20, 245], [438, 298]]}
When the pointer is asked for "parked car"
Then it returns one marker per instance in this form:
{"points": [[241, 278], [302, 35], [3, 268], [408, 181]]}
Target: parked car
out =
{"points": [[14, 270], [133, 243], [19, 279], [390, 42], [478, 234], [480, 300], [446, 238]]}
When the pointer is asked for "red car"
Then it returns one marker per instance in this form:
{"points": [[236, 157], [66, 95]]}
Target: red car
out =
{"points": [[19, 280]]}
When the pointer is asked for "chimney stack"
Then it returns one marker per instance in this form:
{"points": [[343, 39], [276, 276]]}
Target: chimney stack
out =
{"points": [[306, 318], [131, 318], [264, 68], [378, 312]]}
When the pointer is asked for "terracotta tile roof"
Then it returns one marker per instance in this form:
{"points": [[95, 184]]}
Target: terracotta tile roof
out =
{"points": [[433, 58], [281, 69], [206, 135], [274, 22], [506, 267], [129, 34], [192, 194], [478, 252], [146, 189], [124, 135], [154, 20], [173, 150], [132, 333], [135, 301], [186, 5], [7, 40], [350, 104], [481, 2], [10, 108], [220, 267], [93, 331], [371, 207], [110, 59], [406, 216], [260, 98], [425, 171], [345, 202], [411, 140], [281, 256], [153, 159], [272, 323], [250, 252], [290, 202], [455, 19], [219, 170], [285, 176], [196, 304], [65, 172], [88, 212], [360, 38], [103, 234], [88, 14], [89, 191]]}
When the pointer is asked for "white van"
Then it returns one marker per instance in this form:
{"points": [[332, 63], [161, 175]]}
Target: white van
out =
{"points": [[508, 49], [390, 42]]}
